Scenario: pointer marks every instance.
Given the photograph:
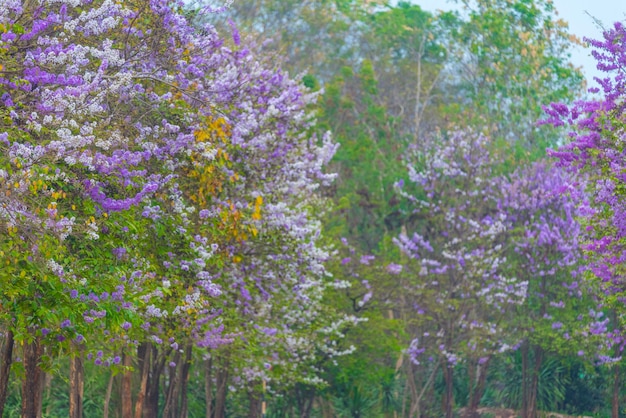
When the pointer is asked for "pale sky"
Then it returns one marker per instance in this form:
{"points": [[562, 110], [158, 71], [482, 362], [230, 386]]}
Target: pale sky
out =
{"points": [[580, 23]]}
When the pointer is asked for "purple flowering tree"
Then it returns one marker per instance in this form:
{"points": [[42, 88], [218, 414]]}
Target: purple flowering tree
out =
{"points": [[560, 313], [456, 279], [596, 148], [494, 265]]}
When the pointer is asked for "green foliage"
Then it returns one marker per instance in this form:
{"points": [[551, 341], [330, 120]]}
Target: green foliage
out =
{"points": [[586, 389], [506, 383], [355, 402], [512, 57], [368, 161]]}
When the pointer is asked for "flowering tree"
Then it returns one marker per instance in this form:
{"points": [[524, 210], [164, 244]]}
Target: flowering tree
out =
{"points": [[559, 313], [459, 286], [596, 149], [495, 266], [157, 186]]}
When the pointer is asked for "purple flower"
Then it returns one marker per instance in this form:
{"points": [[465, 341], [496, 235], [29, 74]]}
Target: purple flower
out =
{"points": [[394, 268], [119, 252], [8, 37], [236, 36]]}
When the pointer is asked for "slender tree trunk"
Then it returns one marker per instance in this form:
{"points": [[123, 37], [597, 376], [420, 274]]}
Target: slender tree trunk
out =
{"points": [[126, 395], [477, 389], [308, 405], [616, 390], [107, 397], [184, 382], [77, 383], [33, 378], [534, 383], [5, 368], [208, 386], [171, 400], [525, 379], [410, 382], [254, 405], [222, 390], [47, 384], [144, 363], [418, 411], [151, 406], [405, 396], [471, 377], [448, 374]]}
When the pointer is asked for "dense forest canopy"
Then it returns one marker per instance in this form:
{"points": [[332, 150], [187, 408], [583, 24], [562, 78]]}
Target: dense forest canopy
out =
{"points": [[313, 208]]}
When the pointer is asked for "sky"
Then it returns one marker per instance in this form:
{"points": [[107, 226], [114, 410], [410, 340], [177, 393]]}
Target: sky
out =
{"points": [[576, 13]]}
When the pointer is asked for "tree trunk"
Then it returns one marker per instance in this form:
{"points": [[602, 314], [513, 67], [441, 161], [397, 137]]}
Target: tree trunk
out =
{"points": [[5, 368], [410, 383], [222, 390], [33, 379], [417, 411], [127, 401], [184, 382], [534, 382], [208, 386], [47, 384], [616, 390], [77, 383], [305, 397], [448, 405], [254, 405], [472, 374], [144, 366], [308, 407], [171, 400], [525, 379], [151, 405], [107, 397], [478, 389]]}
